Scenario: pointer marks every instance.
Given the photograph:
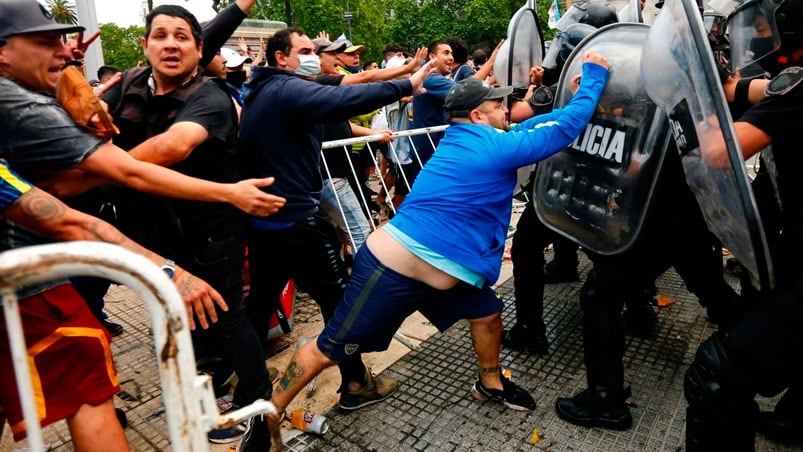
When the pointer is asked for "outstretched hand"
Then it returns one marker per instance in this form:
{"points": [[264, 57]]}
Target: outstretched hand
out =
{"points": [[247, 196], [418, 59], [199, 297], [418, 77]]}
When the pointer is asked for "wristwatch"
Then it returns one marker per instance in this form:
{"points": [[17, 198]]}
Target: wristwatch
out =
{"points": [[169, 268]]}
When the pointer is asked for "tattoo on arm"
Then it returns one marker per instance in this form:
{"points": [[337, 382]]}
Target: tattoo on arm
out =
{"points": [[294, 371]]}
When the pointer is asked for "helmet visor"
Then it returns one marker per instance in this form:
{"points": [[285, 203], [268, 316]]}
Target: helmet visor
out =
{"points": [[753, 33]]}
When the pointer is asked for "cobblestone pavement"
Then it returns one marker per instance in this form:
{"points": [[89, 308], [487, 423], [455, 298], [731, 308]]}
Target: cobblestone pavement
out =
{"points": [[433, 410]]}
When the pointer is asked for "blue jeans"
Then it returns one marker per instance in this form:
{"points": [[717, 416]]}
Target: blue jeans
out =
{"points": [[351, 219]]}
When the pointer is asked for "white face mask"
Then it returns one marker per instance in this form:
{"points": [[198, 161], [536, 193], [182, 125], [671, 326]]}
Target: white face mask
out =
{"points": [[308, 65]]}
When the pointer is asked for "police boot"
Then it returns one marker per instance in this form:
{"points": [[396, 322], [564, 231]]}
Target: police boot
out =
{"points": [[524, 336], [785, 423], [600, 406], [722, 413]]}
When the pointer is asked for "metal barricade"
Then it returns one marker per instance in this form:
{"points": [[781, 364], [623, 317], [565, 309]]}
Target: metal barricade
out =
{"points": [[188, 398], [405, 137]]}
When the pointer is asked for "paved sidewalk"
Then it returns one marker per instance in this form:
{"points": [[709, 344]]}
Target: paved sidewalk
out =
{"points": [[433, 410]]}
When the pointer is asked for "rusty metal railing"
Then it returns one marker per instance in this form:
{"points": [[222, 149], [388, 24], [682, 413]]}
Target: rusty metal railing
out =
{"points": [[188, 398]]}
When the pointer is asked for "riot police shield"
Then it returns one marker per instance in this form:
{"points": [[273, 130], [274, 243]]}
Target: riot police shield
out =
{"points": [[631, 12], [598, 190], [523, 48], [680, 76]]}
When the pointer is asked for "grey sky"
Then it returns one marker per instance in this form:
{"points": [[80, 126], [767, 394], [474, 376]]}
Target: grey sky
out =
{"points": [[130, 12]]}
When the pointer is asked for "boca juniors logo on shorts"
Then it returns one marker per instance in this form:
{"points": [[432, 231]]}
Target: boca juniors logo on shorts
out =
{"points": [[350, 349]]}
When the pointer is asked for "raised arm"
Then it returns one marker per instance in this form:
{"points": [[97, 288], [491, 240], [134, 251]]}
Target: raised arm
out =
{"points": [[387, 73]]}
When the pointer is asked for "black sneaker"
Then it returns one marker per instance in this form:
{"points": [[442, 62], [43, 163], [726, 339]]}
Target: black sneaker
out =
{"points": [[257, 435], [511, 395], [523, 337], [226, 435], [376, 389]]}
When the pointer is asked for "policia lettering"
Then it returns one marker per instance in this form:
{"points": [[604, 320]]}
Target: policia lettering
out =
{"points": [[604, 140]]}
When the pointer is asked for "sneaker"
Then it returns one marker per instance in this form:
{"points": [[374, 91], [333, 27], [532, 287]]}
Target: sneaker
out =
{"points": [[226, 435], [257, 435], [511, 395], [376, 389]]}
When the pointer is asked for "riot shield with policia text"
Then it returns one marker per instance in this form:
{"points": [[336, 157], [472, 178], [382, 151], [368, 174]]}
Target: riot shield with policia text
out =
{"points": [[681, 77], [598, 190], [523, 49]]}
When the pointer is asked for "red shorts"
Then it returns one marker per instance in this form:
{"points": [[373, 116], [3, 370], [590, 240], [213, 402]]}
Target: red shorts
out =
{"points": [[68, 354]]}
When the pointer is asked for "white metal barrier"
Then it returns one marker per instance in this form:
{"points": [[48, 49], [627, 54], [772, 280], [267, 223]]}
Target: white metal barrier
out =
{"points": [[188, 398], [368, 140]]}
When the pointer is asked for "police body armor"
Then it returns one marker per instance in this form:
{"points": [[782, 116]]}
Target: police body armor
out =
{"points": [[680, 76], [598, 190]]}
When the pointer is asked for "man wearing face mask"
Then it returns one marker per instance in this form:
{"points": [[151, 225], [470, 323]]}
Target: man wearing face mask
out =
{"points": [[348, 60], [235, 71], [280, 134]]}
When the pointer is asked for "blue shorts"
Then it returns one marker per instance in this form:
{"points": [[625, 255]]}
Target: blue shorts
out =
{"points": [[378, 299]]}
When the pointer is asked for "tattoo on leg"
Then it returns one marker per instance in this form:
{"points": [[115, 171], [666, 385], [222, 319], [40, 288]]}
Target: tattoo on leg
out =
{"points": [[489, 370], [294, 370]]}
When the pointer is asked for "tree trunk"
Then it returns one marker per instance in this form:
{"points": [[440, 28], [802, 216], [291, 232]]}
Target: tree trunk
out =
{"points": [[150, 5], [288, 13]]}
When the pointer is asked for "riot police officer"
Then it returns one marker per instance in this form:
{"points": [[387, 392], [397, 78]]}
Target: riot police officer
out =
{"points": [[762, 353]]}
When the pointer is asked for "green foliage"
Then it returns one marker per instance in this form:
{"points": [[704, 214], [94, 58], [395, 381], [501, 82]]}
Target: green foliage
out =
{"points": [[63, 11], [121, 46], [410, 23]]}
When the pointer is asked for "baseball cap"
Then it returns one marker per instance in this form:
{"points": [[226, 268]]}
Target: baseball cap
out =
{"points": [[325, 45], [350, 48], [468, 94], [29, 16], [233, 58]]}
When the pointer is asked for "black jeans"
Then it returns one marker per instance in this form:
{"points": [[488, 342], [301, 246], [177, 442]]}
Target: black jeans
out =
{"points": [[218, 260], [309, 253]]}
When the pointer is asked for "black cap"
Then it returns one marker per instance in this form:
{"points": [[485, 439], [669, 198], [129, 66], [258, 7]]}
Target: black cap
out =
{"points": [[29, 16], [469, 93]]}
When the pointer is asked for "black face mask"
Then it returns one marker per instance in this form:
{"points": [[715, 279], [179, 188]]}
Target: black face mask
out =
{"points": [[761, 46], [236, 78]]}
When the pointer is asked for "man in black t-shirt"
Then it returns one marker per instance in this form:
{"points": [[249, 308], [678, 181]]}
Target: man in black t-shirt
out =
{"points": [[170, 115]]}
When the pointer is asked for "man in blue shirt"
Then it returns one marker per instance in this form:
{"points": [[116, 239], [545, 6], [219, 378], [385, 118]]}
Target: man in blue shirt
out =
{"points": [[440, 257]]}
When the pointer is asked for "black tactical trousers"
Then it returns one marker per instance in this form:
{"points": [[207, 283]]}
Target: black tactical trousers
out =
{"points": [[309, 253]]}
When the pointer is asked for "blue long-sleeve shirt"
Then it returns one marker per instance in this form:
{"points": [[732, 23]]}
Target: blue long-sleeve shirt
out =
{"points": [[460, 204], [281, 129]]}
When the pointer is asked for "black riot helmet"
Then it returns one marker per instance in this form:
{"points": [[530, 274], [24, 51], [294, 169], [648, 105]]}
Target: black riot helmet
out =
{"points": [[766, 32], [562, 46], [597, 13]]}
